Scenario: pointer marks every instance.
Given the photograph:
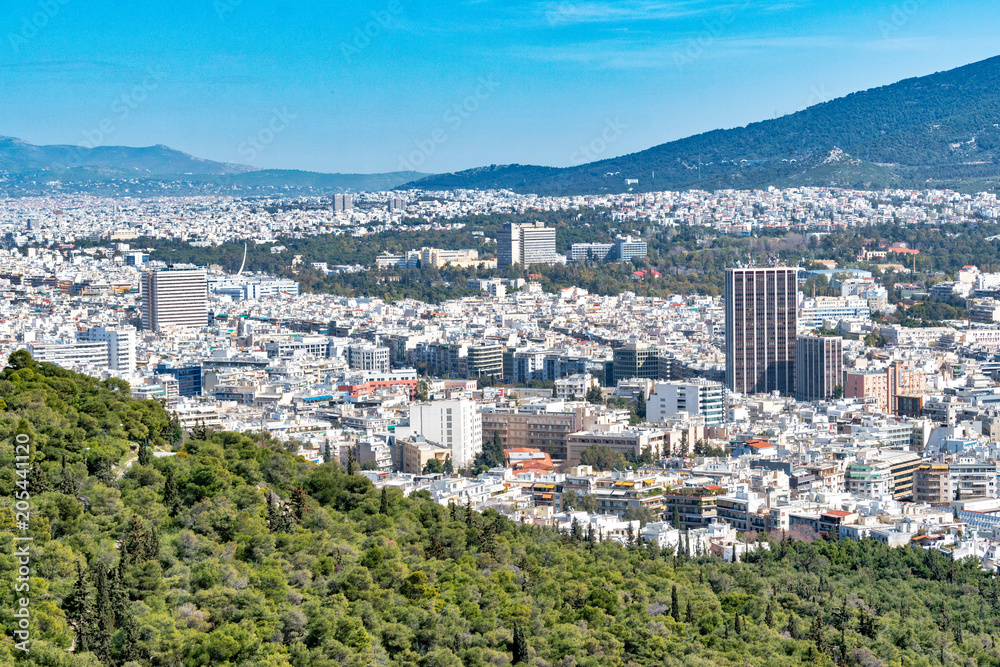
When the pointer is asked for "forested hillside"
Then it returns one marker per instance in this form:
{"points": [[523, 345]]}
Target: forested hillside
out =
{"points": [[234, 552], [940, 129]]}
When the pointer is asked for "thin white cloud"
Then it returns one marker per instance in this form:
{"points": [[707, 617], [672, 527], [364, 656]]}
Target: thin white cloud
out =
{"points": [[572, 13]]}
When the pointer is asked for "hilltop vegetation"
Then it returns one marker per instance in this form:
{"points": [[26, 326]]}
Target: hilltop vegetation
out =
{"points": [[235, 552]]}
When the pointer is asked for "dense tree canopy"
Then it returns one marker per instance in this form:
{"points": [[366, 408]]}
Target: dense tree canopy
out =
{"points": [[235, 552]]}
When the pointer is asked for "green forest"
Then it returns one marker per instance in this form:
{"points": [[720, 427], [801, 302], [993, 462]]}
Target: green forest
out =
{"points": [[235, 552]]}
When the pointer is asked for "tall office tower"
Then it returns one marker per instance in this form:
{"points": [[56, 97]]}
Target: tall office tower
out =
{"points": [[819, 367], [343, 202], [761, 321], [121, 345], [174, 298], [531, 243], [635, 360]]}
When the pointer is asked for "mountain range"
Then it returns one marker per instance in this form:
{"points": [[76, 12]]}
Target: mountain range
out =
{"points": [[941, 130], [938, 130], [27, 169]]}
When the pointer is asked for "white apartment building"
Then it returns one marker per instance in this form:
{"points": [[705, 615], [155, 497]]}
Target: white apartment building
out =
{"points": [[455, 424], [368, 358], [71, 355], [698, 398], [813, 312], [121, 345]]}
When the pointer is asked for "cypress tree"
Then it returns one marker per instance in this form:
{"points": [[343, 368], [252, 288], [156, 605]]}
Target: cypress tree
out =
{"points": [[769, 614], [273, 516], [675, 608], [170, 496], [520, 652], [793, 626], [675, 519], [77, 606], [689, 613], [298, 502], [127, 640], [118, 592], [383, 503], [350, 461], [39, 480], [435, 550], [102, 620], [145, 456]]}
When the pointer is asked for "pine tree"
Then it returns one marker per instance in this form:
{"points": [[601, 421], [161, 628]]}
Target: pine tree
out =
{"points": [[675, 607], [383, 503], [521, 650]]}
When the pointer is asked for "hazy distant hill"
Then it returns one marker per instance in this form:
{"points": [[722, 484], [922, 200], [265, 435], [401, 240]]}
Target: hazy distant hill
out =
{"points": [[162, 170], [942, 129]]}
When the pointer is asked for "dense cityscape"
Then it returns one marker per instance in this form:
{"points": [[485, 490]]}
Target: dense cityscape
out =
{"points": [[569, 407], [478, 334]]}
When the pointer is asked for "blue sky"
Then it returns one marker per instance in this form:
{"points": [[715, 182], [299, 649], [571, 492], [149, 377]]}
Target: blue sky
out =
{"points": [[442, 86]]}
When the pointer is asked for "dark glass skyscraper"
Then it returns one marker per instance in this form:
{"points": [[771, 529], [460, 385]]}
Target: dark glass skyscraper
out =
{"points": [[818, 367], [761, 323]]}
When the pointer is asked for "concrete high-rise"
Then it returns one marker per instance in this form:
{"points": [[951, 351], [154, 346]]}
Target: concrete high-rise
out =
{"points": [[761, 322], [819, 367], [455, 424], [174, 298], [526, 244]]}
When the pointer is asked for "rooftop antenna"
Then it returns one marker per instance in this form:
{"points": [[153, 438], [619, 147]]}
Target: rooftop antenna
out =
{"points": [[238, 273]]}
